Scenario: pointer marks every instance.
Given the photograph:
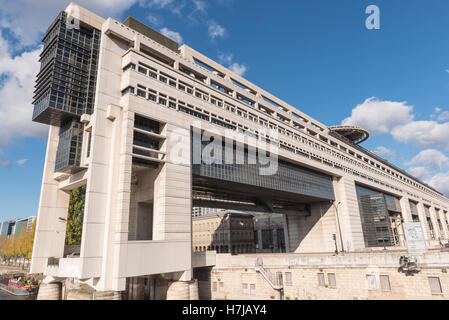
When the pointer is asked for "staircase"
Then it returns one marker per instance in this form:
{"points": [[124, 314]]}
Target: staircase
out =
{"points": [[259, 268]]}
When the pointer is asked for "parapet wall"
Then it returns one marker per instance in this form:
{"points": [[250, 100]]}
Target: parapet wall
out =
{"points": [[350, 276]]}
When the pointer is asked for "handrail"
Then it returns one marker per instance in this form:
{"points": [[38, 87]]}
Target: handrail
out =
{"points": [[259, 268]]}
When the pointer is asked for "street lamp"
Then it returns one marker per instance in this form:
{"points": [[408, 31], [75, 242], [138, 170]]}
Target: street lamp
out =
{"points": [[338, 224]]}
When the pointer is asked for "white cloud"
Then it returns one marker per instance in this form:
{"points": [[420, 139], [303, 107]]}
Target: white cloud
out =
{"points": [[227, 60], [16, 94], [199, 5], [21, 161], [379, 116], [430, 157], [158, 4], [423, 133], [176, 36], [215, 30], [28, 19], [419, 172], [384, 151], [154, 20], [443, 116], [440, 182], [240, 69]]}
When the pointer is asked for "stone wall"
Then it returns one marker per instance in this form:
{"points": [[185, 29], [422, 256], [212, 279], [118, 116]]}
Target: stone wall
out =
{"points": [[234, 277]]}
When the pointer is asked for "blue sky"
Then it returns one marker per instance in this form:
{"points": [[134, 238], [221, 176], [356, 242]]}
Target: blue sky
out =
{"points": [[317, 55]]}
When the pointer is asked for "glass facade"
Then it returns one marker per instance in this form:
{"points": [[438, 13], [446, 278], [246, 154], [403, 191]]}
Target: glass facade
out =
{"points": [[68, 155], [381, 218], [289, 178], [65, 85]]}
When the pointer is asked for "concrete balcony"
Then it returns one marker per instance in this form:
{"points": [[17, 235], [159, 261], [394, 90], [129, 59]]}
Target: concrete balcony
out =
{"points": [[81, 268], [204, 259], [155, 257], [64, 267]]}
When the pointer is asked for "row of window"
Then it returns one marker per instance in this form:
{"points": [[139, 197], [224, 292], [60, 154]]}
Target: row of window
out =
{"points": [[162, 99], [372, 283], [190, 90], [228, 91]]}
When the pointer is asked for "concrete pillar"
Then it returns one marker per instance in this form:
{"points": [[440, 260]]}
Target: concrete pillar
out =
{"points": [[444, 224], [107, 295], [423, 220], [193, 290], [436, 227], [259, 238], [348, 213], [50, 291], [53, 204], [121, 213], [178, 290], [405, 209]]}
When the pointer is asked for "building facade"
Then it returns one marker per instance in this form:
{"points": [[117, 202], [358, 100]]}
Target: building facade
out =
{"points": [[224, 232], [125, 106], [17, 226]]}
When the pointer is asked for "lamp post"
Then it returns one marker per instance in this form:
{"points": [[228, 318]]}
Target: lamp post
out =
{"points": [[338, 224]]}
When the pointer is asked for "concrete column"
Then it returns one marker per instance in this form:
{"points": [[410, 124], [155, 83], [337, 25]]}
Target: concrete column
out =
{"points": [[50, 291], [259, 238], [286, 234], [405, 209], [53, 205], [107, 295], [178, 290], [423, 220], [444, 224], [436, 227], [349, 214], [120, 219]]}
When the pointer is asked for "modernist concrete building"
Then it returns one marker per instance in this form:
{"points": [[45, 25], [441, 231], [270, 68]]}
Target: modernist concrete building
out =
{"points": [[124, 105]]}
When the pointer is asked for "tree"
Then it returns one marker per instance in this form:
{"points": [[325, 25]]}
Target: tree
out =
{"points": [[75, 216]]}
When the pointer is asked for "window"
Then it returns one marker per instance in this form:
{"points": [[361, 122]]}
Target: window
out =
{"points": [[371, 282], [385, 283], [163, 79], [332, 280], [435, 285], [162, 101], [245, 288], [252, 289], [152, 74], [221, 286], [321, 281], [142, 70], [288, 278], [214, 286], [151, 97], [141, 93]]}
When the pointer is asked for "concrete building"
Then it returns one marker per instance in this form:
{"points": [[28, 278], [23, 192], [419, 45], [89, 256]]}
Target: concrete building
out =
{"points": [[125, 106], [15, 227], [198, 211], [24, 225], [224, 232]]}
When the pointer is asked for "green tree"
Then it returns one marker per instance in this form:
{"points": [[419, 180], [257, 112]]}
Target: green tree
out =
{"points": [[75, 216]]}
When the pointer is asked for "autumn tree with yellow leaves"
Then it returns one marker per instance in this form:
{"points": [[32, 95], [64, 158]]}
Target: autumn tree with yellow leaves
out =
{"points": [[21, 246]]}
